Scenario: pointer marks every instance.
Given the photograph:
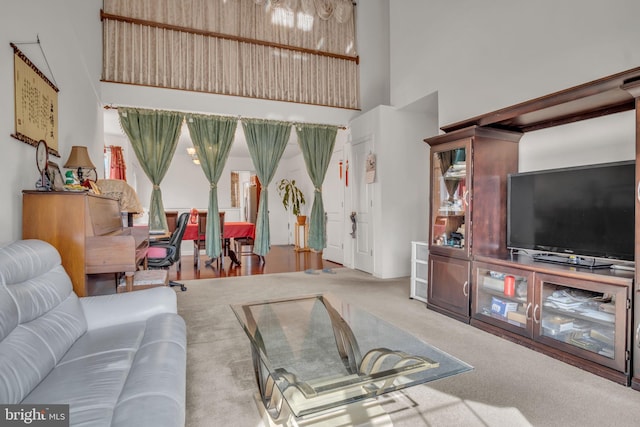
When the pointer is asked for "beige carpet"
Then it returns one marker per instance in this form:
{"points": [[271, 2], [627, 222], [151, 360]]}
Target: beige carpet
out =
{"points": [[509, 386]]}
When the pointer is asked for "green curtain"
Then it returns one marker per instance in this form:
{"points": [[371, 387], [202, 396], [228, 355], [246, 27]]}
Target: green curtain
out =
{"points": [[212, 137], [154, 137], [316, 143], [266, 141]]}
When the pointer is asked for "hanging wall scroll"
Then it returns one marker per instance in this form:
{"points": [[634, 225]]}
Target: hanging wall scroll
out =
{"points": [[36, 104]]}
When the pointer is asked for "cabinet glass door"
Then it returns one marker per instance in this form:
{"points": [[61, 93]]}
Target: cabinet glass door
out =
{"points": [[449, 198], [582, 319], [502, 297]]}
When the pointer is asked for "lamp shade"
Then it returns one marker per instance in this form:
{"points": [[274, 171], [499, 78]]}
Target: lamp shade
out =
{"points": [[79, 158]]}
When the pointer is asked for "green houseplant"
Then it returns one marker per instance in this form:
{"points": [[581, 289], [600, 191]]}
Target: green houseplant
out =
{"points": [[292, 198]]}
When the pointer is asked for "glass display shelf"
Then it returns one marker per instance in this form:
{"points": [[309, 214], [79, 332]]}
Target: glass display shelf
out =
{"points": [[449, 195], [580, 318], [502, 296]]}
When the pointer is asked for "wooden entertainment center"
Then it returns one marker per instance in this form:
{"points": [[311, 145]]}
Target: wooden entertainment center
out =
{"points": [[581, 316]]}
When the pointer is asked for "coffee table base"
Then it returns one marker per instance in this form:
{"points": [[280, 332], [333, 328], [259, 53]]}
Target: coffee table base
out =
{"points": [[365, 413]]}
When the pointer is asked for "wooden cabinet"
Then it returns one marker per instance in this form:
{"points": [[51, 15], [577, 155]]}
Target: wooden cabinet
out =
{"points": [[449, 286], [483, 227], [468, 209], [582, 317], [632, 87], [635, 349]]}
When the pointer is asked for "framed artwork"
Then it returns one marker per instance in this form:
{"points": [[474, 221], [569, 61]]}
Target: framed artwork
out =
{"points": [[36, 104], [55, 176]]}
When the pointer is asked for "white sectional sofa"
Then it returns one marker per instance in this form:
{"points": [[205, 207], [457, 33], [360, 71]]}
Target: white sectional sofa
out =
{"points": [[116, 360]]}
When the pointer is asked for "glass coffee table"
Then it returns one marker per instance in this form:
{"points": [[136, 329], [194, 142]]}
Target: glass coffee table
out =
{"points": [[315, 353]]}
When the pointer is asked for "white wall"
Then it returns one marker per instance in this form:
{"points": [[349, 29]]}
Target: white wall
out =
{"points": [[403, 187], [400, 190], [73, 55], [601, 140], [485, 55], [372, 36]]}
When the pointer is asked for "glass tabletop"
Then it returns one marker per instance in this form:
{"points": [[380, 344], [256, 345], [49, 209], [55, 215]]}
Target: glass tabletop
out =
{"points": [[318, 352]]}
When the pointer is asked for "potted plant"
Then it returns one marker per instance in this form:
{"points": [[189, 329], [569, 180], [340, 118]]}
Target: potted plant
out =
{"points": [[292, 197]]}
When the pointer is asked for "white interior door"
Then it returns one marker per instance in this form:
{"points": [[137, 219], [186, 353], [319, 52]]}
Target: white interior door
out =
{"points": [[333, 198], [362, 205]]}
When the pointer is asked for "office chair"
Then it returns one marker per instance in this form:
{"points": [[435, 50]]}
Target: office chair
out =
{"points": [[172, 250]]}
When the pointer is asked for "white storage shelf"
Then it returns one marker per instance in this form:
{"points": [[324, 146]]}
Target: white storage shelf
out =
{"points": [[419, 270]]}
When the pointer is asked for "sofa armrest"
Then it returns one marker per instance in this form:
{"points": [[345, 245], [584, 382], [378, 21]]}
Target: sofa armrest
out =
{"points": [[117, 309]]}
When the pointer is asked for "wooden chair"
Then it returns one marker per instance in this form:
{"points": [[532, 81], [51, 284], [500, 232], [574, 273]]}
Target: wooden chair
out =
{"points": [[199, 242], [172, 220]]}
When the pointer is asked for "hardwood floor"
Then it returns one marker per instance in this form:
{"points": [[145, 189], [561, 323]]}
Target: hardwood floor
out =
{"points": [[280, 259]]}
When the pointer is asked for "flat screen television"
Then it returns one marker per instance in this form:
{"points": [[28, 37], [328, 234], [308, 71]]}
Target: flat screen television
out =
{"points": [[580, 211]]}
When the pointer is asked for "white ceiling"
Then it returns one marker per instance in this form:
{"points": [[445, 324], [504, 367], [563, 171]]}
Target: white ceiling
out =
{"points": [[238, 149]]}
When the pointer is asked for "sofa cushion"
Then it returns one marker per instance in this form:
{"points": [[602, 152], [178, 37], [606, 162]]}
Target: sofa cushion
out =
{"points": [[41, 316], [120, 374]]}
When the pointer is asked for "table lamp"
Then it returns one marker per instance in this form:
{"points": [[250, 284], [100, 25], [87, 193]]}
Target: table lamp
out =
{"points": [[79, 158]]}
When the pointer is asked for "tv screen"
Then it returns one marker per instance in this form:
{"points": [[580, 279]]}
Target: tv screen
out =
{"points": [[577, 211]]}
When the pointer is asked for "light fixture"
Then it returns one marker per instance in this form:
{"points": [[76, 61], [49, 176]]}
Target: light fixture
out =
{"points": [[79, 158], [191, 151]]}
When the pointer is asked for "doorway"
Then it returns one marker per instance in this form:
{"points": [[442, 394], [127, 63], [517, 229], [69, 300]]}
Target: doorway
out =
{"points": [[362, 205]]}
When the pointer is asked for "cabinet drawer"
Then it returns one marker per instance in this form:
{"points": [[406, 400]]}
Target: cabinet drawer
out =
{"points": [[421, 252]]}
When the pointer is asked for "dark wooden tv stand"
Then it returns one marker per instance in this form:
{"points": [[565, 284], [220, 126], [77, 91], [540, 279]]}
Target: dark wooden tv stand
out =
{"points": [[591, 331], [467, 284]]}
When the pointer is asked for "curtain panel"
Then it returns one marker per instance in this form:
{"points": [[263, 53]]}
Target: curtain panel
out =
{"points": [[154, 137], [117, 167], [212, 137], [266, 141], [316, 143], [289, 51]]}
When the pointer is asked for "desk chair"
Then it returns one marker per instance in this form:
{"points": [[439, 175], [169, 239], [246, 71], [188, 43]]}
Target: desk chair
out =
{"points": [[157, 258]]}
